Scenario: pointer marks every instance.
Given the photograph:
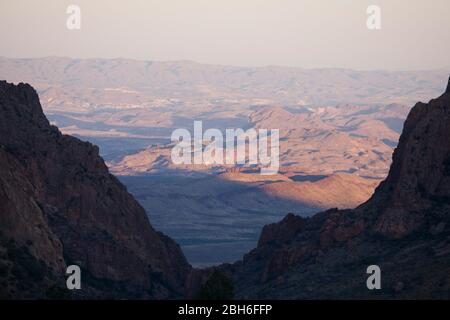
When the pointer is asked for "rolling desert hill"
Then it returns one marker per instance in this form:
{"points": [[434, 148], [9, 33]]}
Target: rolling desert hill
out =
{"points": [[340, 190]]}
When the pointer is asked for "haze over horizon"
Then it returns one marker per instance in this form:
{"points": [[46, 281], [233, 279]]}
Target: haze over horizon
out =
{"points": [[37, 58], [306, 34]]}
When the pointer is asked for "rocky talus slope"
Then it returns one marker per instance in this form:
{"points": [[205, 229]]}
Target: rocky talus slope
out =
{"points": [[59, 206], [404, 228]]}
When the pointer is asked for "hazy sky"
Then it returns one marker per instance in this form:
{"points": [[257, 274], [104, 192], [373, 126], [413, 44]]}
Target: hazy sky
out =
{"points": [[414, 34]]}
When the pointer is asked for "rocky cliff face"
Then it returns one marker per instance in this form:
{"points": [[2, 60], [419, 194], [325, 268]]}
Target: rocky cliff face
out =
{"points": [[404, 228], [59, 205]]}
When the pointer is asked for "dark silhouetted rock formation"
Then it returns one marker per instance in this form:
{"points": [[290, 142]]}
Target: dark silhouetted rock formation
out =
{"points": [[59, 206]]}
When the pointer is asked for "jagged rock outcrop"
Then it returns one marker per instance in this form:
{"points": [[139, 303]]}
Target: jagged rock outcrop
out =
{"points": [[59, 205], [404, 228]]}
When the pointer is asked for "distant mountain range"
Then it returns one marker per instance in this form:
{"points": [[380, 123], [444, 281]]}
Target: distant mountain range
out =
{"points": [[134, 82], [338, 131], [59, 205]]}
